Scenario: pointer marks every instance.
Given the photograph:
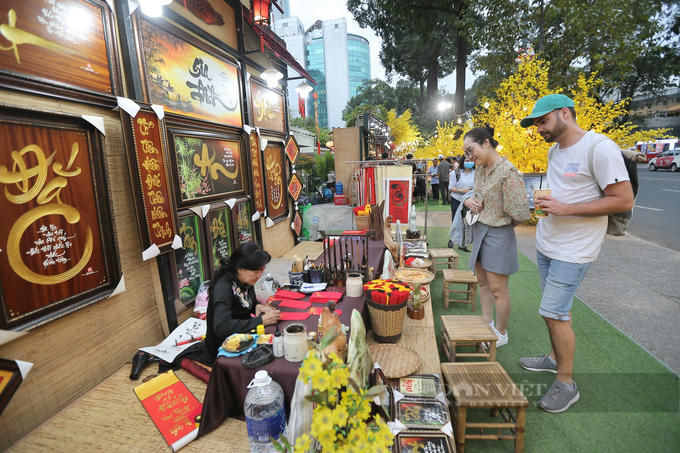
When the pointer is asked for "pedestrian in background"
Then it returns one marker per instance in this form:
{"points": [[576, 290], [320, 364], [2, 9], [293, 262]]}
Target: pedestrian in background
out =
{"points": [[462, 181], [443, 172], [569, 239], [503, 204], [434, 180]]}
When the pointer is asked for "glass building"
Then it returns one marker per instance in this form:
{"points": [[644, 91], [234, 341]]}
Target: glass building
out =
{"points": [[316, 67], [359, 56]]}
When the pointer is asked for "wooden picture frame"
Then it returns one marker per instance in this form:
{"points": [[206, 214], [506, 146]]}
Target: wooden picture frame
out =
{"points": [[189, 269], [418, 441], [242, 217], [66, 49], [149, 167], [275, 181], [292, 149], [421, 413], [267, 106], [385, 405], [219, 223], [58, 233], [185, 75], [419, 386], [214, 21], [207, 166], [258, 171], [10, 380]]}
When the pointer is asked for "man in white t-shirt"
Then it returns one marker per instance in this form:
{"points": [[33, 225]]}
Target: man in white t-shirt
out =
{"points": [[569, 239]]}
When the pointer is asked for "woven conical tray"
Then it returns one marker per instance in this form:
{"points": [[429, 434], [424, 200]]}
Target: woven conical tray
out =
{"points": [[395, 360], [410, 275]]}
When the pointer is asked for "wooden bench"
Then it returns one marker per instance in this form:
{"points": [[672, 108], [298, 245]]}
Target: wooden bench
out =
{"points": [[449, 256], [465, 331], [485, 385], [455, 277]]}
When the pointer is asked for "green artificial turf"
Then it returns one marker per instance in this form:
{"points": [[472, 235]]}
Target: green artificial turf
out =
{"points": [[432, 206], [629, 401]]}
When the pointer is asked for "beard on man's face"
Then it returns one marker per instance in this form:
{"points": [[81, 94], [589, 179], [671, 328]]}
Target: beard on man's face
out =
{"points": [[560, 127]]}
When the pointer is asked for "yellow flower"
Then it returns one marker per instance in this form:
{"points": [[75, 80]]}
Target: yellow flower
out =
{"points": [[322, 421], [327, 440], [321, 381], [340, 415], [303, 443], [310, 367], [339, 377]]}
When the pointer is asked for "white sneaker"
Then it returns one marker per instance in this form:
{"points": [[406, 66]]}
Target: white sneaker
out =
{"points": [[502, 339], [493, 326]]}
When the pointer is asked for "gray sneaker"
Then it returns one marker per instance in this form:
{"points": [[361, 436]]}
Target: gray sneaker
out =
{"points": [[540, 363], [559, 398]]}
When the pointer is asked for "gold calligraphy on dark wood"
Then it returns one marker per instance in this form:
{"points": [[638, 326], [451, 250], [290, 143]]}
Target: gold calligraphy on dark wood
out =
{"points": [[189, 268], [148, 163], [219, 227], [65, 47], [256, 162], [56, 232], [275, 181], [267, 106], [244, 223]]}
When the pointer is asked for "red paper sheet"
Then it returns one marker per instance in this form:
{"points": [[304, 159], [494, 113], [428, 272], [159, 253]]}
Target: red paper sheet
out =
{"points": [[316, 311], [325, 296], [297, 316], [300, 304], [283, 294]]}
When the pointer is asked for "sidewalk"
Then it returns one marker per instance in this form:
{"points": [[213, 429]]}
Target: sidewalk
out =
{"points": [[634, 284]]}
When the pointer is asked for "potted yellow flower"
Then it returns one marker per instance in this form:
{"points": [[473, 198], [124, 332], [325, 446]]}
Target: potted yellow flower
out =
{"points": [[341, 420]]}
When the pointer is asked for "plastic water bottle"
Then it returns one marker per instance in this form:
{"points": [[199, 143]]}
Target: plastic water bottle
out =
{"points": [[265, 412]]}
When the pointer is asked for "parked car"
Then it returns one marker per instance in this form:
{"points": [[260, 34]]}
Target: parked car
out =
{"points": [[668, 159]]}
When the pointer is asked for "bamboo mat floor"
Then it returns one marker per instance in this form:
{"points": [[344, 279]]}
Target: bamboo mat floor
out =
{"points": [[110, 418]]}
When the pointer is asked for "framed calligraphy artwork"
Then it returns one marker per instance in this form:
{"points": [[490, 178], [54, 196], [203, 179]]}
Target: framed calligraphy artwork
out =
{"points": [[398, 194], [185, 79], [383, 404], [206, 19], [295, 187], [297, 223], [64, 48], [422, 414], [219, 228], [208, 166], [292, 149], [256, 164], [244, 223], [267, 106], [419, 441], [56, 235], [10, 380], [189, 269], [148, 164], [419, 386], [275, 181]]}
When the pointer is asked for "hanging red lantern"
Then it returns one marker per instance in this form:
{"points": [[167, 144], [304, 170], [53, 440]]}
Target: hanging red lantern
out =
{"points": [[260, 10]]}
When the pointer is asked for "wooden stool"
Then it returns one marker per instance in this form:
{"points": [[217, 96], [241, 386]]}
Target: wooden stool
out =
{"points": [[454, 277], [450, 255], [485, 385], [460, 331]]}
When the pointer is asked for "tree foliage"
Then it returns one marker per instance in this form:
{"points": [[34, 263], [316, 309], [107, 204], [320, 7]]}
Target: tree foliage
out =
{"points": [[406, 134], [309, 124]]}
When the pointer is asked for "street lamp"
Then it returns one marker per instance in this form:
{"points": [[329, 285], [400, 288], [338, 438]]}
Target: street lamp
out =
{"points": [[272, 77], [304, 89], [444, 105]]}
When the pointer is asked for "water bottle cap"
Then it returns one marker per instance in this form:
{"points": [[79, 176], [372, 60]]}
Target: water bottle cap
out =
{"points": [[277, 334], [261, 379]]}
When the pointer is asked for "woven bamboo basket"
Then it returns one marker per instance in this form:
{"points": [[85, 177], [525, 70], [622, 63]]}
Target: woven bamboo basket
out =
{"points": [[361, 221], [386, 320]]}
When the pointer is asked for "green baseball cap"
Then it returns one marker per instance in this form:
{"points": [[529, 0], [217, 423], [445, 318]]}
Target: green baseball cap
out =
{"points": [[546, 105]]}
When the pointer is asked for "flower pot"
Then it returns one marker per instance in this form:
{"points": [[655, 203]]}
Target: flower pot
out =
{"points": [[416, 314]]}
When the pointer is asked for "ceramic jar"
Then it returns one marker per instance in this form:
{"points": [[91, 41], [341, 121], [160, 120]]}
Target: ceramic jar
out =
{"points": [[295, 342]]}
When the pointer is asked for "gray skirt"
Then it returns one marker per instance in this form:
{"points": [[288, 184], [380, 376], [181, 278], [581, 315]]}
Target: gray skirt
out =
{"points": [[495, 248]]}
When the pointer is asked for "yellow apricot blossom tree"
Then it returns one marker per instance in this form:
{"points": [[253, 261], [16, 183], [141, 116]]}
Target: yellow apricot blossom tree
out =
{"points": [[447, 140], [406, 134]]}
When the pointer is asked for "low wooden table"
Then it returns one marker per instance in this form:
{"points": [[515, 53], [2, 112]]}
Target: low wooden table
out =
{"points": [[455, 277], [458, 331], [485, 385], [449, 255]]}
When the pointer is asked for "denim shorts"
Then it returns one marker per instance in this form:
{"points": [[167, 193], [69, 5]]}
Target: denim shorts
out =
{"points": [[559, 282]]}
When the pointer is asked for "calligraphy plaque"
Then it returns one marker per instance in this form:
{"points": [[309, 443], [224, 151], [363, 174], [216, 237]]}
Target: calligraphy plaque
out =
{"points": [[148, 164], [244, 223], [208, 167], [256, 163], [398, 191], [275, 181], [292, 149], [189, 268], [422, 414], [56, 235], [220, 237], [297, 224], [412, 441], [295, 187], [185, 79], [267, 106], [65, 48], [205, 18]]}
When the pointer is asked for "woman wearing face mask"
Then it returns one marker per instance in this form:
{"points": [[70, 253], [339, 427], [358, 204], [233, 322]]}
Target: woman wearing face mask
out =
{"points": [[503, 205], [461, 183]]}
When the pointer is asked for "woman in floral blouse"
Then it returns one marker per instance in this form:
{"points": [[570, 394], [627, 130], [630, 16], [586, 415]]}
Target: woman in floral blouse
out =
{"points": [[503, 205], [232, 307]]}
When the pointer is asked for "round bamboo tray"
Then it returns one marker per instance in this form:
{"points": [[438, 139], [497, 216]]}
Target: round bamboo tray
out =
{"points": [[409, 275], [426, 265], [395, 360]]}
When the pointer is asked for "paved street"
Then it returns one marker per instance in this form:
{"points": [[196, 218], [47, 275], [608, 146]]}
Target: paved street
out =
{"points": [[657, 208]]}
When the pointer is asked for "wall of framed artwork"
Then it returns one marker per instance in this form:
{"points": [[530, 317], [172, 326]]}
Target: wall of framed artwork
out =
{"points": [[275, 181], [44, 50], [187, 77], [57, 229], [267, 106], [207, 166], [148, 163]]}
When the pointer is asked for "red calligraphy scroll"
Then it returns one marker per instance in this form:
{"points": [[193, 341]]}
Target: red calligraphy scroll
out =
{"points": [[398, 199], [256, 162]]}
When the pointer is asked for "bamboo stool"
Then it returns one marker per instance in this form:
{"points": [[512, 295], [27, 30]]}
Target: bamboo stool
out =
{"points": [[485, 385], [449, 255], [458, 331], [455, 277]]}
